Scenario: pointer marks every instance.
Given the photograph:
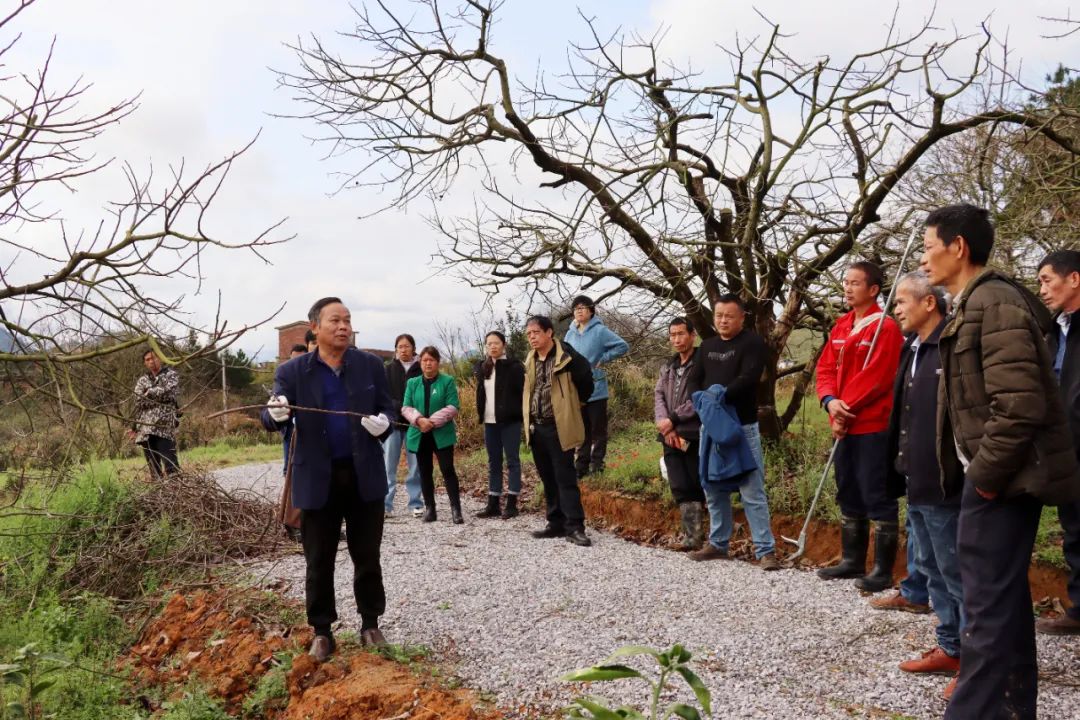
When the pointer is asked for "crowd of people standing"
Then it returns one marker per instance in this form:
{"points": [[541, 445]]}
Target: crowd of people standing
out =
{"points": [[967, 404]]}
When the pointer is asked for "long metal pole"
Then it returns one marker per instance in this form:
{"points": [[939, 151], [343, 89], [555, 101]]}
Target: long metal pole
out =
{"points": [[801, 542]]}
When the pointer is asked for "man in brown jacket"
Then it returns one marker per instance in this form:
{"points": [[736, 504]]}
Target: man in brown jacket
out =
{"points": [[1001, 432], [557, 381]]}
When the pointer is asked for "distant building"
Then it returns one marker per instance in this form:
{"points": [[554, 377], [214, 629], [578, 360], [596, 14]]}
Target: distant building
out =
{"points": [[293, 334], [289, 335], [384, 355]]}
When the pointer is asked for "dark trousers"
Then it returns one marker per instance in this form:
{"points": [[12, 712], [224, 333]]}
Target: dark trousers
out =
{"points": [[320, 532], [556, 469], [160, 454], [594, 449], [1069, 515], [425, 460], [999, 673], [861, 468], [683, 475]]}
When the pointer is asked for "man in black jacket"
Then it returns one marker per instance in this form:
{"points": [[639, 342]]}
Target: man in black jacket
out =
{"points": [[1059, 286], [735, 358], [933, 510], [398, 371]]}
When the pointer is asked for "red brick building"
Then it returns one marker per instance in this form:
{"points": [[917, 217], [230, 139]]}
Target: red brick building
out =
{"points": [[293, 334], [289, 335]]}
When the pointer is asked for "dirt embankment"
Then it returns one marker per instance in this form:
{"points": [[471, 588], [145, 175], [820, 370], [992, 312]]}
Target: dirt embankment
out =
{"points": [[220, 639], [655, 523]]}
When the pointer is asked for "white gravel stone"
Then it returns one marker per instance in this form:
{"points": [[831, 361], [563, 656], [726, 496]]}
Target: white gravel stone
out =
{"points": [[509, 614]]}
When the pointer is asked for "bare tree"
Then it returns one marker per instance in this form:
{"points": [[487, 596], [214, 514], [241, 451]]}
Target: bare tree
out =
{"points": [[666, 186], [1030, 185], [69, 298]]}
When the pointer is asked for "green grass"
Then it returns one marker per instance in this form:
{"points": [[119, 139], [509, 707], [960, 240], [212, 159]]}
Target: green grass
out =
{"points": [[195, 704], [218, 454], [272, 692], [1048, 540], [633, 464], [36, 550]]}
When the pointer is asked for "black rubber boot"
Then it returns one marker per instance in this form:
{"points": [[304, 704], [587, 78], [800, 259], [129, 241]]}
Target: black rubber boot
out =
{"points": [[492, 509], [854, 535], [453, 493], [886, 538], [511, 509], [427, 489], [692, 528]]}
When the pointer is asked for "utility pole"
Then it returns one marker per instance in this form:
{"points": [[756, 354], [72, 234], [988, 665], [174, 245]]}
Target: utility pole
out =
{"points": [[224, 394]]}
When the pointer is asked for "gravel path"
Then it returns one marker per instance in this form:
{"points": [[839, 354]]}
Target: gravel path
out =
{"points": [[510, 614]]}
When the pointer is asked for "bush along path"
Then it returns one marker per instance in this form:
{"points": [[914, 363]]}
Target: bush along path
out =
{"points": [[509, 615]]}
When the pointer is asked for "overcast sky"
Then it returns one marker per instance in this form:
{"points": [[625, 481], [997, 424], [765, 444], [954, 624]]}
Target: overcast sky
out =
{"points": [[204, 71]]}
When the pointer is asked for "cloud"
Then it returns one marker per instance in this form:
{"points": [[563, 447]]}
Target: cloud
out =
{"points": [[203, 69]]}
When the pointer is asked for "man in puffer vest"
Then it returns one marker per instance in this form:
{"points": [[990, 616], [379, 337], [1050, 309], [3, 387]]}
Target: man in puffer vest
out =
{"points": [[857, 394], [1002, 433]]}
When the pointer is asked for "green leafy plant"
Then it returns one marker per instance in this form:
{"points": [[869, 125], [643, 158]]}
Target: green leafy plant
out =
{"points": [[28, 671], [672, 662], [196, 704], [272, 692]]}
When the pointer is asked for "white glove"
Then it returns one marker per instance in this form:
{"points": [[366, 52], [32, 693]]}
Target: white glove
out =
{"points": [[375, 424], [277, 408]]}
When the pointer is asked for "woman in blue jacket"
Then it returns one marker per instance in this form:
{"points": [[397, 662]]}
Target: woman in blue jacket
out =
{"points": [[430, 405], [599, 345], [500, 381]]}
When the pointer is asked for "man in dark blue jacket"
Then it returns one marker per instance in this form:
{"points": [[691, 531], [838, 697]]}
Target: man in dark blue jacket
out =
{"points": [[338, 468], [933, 507]]}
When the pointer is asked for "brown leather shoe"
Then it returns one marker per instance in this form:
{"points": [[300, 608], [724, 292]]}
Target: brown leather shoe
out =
{"points": [[769, 562], [373, 637], [932, 662], [1064, 625], [951, 687], [709, 552], [322, 647], [896, 601]]}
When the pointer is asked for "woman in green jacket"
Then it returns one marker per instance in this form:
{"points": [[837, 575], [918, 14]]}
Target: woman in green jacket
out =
{"points": [[430, 405]]}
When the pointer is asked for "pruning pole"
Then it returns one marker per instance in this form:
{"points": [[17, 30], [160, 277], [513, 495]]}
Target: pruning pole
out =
{"points": [[801, 542]]}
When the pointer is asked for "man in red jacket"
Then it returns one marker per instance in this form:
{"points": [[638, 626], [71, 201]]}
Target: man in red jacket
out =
{"points": [[858, 397]]}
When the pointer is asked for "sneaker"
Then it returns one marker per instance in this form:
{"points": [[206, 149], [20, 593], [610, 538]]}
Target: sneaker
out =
{"points": [[896, 601], [769, 562], [951, 687], [709, 552], [418, 512], [1064, 625], [932, 662]]}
